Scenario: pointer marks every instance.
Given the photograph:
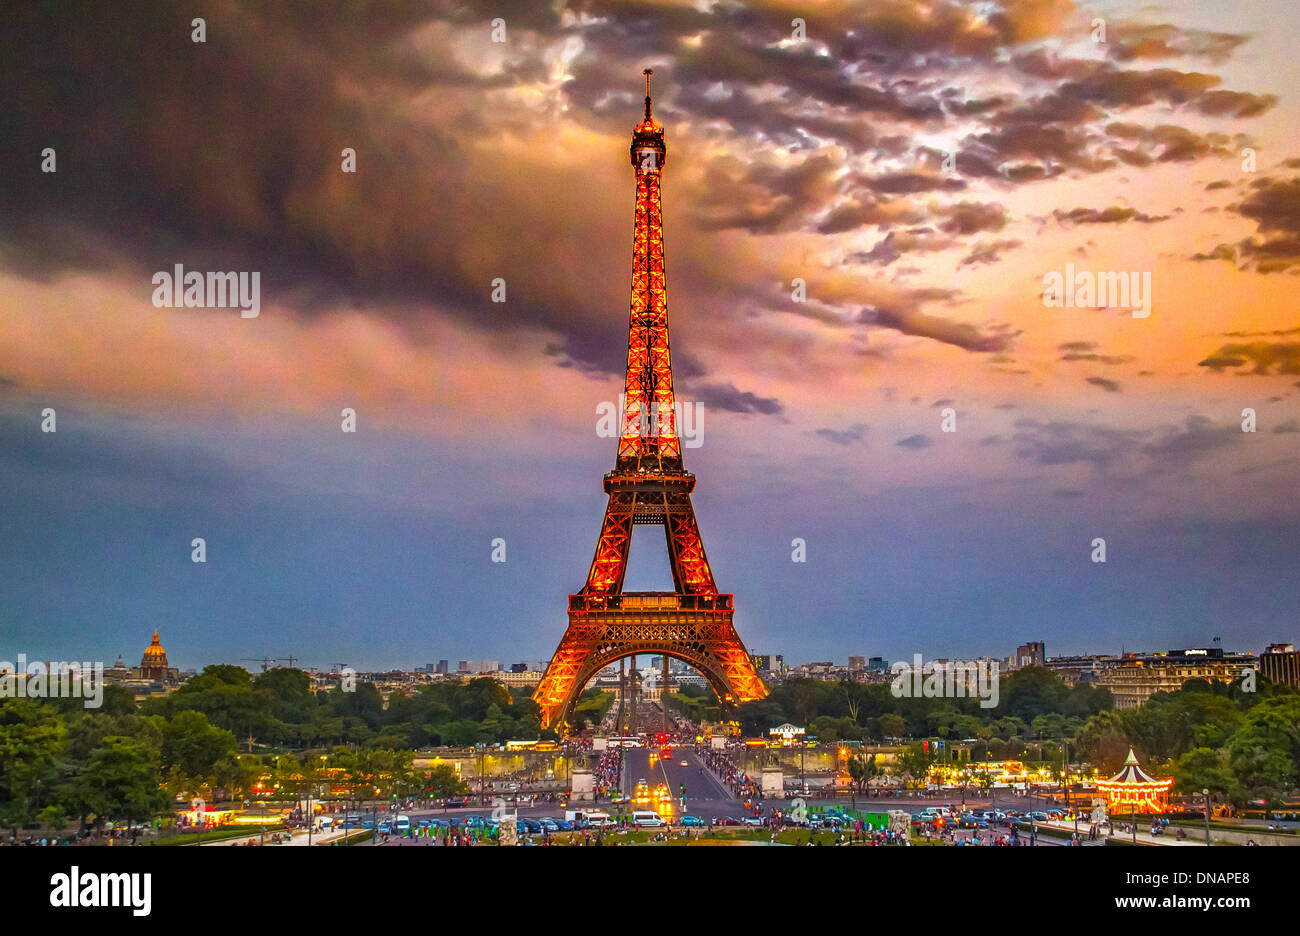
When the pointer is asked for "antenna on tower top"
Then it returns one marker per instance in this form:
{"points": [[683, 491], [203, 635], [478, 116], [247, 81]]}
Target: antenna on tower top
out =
{"points": [[649, 72]]}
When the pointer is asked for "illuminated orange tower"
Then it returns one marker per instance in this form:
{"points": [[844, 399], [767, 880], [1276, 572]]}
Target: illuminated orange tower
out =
{"points": [[648, 485]]}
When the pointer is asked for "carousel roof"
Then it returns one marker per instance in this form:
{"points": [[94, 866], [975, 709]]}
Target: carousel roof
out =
{"points": [[1132, 773]]}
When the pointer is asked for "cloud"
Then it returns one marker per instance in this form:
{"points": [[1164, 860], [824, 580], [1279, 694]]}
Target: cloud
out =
{"points": [[1112, 215], [1268, 358], [918, 441], [924, 325], [1087, 351], [989, 251], [1110, 386], [725, 396], [1274, 206], [844, 436]]}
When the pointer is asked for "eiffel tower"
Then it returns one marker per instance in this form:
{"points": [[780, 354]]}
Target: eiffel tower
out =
{"points": [[648, 485]]}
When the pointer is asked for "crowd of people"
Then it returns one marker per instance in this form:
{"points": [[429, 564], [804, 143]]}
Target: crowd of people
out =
{"points": [[608, 773]]}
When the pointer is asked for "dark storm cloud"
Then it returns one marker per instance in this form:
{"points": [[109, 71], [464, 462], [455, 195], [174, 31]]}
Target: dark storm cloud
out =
{"points": [[763, 198], [225, 154], [725, 396], [1110, 386]]}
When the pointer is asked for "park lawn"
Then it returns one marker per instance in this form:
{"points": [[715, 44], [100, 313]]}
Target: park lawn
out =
{"points": [[217, 835]]}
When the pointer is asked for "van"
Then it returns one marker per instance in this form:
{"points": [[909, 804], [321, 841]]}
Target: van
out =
{"points": [[598, 819], [402, 825], [647, 819]]}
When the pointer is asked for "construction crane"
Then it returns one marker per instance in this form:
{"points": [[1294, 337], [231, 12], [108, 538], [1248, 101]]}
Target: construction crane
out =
{"points": [[291, 660], [265, 661]]}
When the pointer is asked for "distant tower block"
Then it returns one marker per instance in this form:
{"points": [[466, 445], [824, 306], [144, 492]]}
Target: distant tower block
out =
{"points": [[648, 485]]}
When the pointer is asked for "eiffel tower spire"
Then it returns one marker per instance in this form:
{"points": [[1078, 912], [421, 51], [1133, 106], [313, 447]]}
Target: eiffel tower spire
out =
{"points": [[649, 485]]}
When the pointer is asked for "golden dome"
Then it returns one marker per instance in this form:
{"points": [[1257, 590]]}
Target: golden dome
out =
{"points": [[154, 654]]}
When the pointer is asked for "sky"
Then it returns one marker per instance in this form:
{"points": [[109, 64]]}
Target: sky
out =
{"points": [[920, 166]]}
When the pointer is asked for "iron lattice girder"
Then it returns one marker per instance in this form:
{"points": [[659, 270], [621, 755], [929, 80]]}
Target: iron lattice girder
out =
{"points": [[703, 639], [648, 485], [650, 502], [649, 438]]}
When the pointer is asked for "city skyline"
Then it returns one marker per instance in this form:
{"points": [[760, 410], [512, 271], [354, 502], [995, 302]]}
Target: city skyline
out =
{"points": [[838, 287]]}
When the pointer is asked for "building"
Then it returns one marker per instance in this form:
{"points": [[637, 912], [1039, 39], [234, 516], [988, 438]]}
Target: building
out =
{"points": [[768, 662], [1139, 676], [1280, 664], [1082, 670], [857, 663], [442, 667], [878, 665], [1033, 653], [153, 675], [514, 679]]}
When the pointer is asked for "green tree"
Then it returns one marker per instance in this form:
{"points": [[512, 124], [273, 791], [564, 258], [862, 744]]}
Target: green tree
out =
{"points": [[193, 752], [32, 739], [120, 782]]}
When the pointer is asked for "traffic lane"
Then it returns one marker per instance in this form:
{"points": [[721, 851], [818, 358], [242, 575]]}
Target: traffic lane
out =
{"points": [[636, 766], [701, 786]]}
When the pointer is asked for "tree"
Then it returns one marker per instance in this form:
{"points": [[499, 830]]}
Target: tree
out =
{"points": [[892, 725], [119, 782], [32, 740], [443, 781], [193, 751], [862, 767], [1205, 769], [1265, 750]]}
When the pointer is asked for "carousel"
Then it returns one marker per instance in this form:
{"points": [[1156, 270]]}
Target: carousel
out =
{"points": [[1133, 790]]}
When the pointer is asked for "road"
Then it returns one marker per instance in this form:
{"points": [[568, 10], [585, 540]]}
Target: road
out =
{"points": [[705, 796]]}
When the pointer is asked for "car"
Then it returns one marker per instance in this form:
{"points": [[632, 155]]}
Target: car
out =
{"points": [[972, 821], [565, 825], [1037, 816], [520, 829], [550, 825], [533, 825], [686, 763], [692, 821], [754, 821], [727, 821], [383, 829]]}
